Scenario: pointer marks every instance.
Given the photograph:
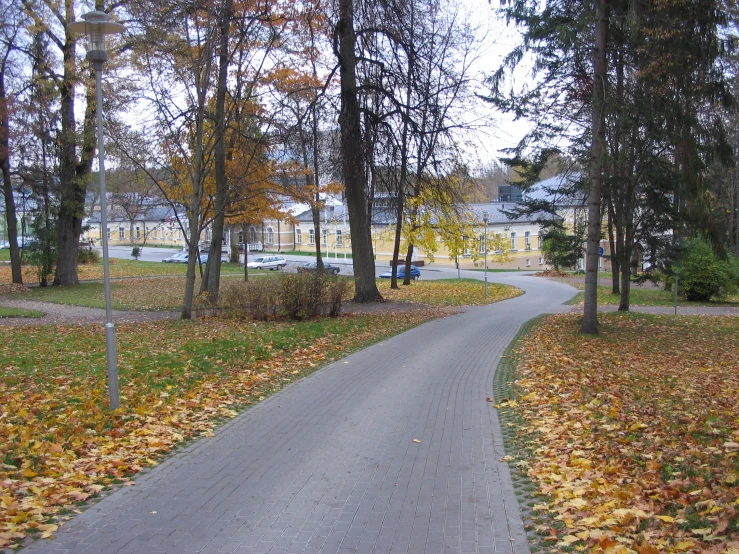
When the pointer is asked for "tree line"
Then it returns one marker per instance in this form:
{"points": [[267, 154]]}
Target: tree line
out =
{"points": [[243, 104], [640, 92]]}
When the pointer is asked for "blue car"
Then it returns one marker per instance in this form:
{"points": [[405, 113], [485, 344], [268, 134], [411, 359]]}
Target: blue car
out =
{"points": [[415, 273]]}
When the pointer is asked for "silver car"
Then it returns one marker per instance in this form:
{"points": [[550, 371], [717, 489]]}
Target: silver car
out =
{"points": [[267, 262]]}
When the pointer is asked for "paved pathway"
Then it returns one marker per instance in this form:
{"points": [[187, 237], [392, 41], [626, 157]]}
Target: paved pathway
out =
{"points": [[390, 450]]}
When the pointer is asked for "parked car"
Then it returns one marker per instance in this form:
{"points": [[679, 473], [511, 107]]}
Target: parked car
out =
{"points": [[267, 262], [204, 258], [178, 258], [415, 273], [313, 266], [4, 244]]}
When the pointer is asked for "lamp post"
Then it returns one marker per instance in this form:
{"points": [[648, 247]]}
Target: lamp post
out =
{"points": [[485, 243], [96, 25]]}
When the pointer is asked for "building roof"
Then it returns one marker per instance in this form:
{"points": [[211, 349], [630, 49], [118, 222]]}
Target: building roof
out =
{"points": [[561, 190], [149, 213]]}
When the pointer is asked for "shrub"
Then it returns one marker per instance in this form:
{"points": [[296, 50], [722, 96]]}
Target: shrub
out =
{"points": [[336, 291], [293, 296], [255, 299], [136, 252], [301, 294], [703, 275], [87, 256]]}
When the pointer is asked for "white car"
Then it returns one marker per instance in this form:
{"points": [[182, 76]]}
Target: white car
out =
{"points": [[267, 262]]}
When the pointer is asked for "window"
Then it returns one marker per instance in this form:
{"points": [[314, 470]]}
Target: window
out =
{"points": [[311, 236], [121, 233], [541, 238], [528, 262], [252, 235], [270, 235], [241, 237], [324, 242], [339, 238], [138, 232], [482, 244], [513, 241], [541, 261], [527, 240], [298, 236]]}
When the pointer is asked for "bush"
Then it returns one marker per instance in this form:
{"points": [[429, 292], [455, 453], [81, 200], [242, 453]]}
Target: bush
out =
{"points": [[255, 299], [703, 276], [87, 256], [293, 296], [335, 293], [136, 252], [301, 294]]}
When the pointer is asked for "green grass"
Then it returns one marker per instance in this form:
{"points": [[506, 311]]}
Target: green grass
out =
{"points": [[19, 312], [87, 295]]}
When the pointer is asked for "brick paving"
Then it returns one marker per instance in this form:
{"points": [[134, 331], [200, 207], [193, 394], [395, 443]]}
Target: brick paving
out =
{"points": [[393, 449]]}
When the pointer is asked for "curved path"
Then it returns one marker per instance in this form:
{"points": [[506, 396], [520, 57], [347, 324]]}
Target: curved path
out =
{"points": [[392, 449]]}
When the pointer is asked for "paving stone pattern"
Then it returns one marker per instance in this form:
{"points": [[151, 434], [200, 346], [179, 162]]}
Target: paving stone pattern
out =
{"points": [[331, 463]]}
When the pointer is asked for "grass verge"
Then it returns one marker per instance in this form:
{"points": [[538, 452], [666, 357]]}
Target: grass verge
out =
{"points": [[6, 311]]}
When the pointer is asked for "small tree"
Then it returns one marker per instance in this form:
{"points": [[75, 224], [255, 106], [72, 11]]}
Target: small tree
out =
{"points": [[560, 249], [136, 252]]}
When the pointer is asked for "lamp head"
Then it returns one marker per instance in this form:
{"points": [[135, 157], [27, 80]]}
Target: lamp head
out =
{"points": [[96, 26]]}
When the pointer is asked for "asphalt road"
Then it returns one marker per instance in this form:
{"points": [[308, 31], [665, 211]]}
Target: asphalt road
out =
{"points": [[434, 271]]}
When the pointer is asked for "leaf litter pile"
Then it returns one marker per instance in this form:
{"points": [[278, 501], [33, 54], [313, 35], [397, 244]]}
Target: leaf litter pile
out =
{"points": [[60, 445], [632, 436]]}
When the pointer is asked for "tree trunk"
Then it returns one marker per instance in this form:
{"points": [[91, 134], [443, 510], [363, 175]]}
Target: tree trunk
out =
{"points": [[71, 193], [365, 286], [10, 217], [589, 323], [612, 247], [212, 279]]}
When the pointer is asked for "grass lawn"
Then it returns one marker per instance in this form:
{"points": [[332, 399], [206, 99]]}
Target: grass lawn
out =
{"points": [[166, 293], [119, 269], [19, 312], [627, 439]]}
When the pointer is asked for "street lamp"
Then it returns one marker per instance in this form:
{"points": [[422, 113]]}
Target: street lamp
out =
{"points": [[485, 242], [96, 25]]}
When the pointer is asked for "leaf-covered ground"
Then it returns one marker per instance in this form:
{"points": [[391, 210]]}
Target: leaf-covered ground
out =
{"points": [[448, 292], [632, 436], [59, 444], [165, 293]]}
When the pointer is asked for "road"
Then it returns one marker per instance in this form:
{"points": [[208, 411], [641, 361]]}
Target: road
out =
{"points": [[434, 271]]}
